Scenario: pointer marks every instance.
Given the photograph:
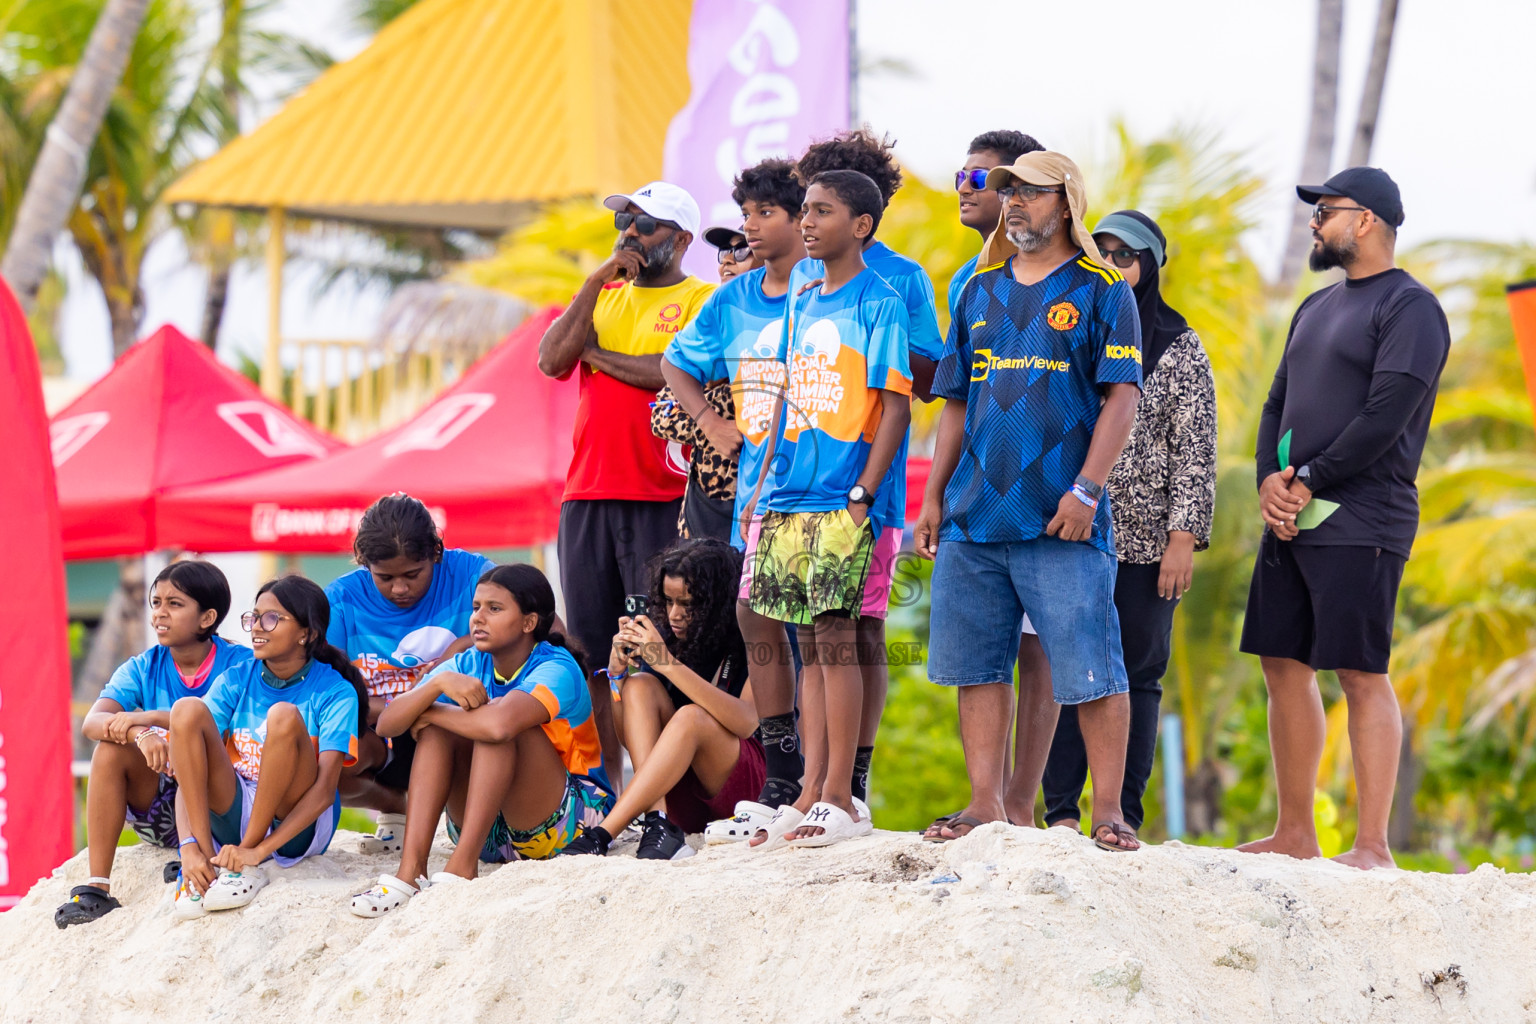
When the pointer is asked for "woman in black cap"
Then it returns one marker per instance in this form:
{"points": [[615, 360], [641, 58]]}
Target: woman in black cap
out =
{"points": [[1162, 492]]}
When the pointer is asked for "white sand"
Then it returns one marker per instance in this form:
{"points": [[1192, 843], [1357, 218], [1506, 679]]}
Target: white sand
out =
{"points": [[1035, 926]]}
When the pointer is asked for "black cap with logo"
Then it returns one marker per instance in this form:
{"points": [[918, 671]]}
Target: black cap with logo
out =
{"points": [[1371, 187]]}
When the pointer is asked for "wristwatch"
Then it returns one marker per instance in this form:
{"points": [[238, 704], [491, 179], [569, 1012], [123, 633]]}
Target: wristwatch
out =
{"points": [[1304, 474], [860, 495]]}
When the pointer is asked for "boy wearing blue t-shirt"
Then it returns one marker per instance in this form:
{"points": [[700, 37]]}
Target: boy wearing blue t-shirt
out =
{"points": [[1042, 374], [739, 334], [844, 417], [863, 151]]}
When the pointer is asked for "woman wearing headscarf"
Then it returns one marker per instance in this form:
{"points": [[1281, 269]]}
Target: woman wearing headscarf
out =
{"points": [[1162, 492]]}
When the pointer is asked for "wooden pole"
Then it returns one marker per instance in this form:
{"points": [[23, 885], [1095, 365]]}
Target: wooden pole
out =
{"points": [[271, 366]]}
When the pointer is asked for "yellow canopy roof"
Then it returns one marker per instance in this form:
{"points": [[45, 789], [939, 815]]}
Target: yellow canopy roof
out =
{"points": [[461, 109]]}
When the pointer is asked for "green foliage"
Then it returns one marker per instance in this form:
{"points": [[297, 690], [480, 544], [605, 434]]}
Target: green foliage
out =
{"points": [[919, 768]]}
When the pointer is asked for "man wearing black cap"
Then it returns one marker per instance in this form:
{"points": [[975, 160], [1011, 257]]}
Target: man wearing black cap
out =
{"points": [[1338, 450]]}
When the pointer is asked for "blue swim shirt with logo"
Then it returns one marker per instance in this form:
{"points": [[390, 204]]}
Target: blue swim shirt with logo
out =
{"points": [[390, 645], [737, 337], [840, 349], [1030, 361], [910, 281], [151, 682]]}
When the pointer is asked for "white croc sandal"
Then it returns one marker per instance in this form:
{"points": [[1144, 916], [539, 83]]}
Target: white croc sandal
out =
{"points": [[446, 878], [836, 824], [750, 816], [188, 905], [234, 889], [785, 820], [388, 837], [389, 894]]}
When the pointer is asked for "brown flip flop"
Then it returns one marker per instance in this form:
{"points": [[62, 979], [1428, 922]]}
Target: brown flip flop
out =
{"points": [[953, 822], [1118, 829]]}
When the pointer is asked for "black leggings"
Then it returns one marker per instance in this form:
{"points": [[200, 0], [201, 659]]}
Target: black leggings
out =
{"points": [[1146, 634]]}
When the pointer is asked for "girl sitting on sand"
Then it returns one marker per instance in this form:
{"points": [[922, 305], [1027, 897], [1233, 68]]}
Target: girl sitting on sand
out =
{"points": [[131, 775], [259, 758], [403, 612], [505, 740], [688, 718]]}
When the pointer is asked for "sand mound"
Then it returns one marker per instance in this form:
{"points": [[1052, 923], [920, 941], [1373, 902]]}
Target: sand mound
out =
{"points": [[1007, 924]]}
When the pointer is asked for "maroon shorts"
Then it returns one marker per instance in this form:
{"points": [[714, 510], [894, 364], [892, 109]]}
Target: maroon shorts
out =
{"points": [[690, 808]]}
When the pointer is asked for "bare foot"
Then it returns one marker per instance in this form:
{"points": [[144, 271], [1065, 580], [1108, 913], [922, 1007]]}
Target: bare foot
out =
{"points": [[1301, 849], [1016, 812], [1366, 859], [1071, 823]]}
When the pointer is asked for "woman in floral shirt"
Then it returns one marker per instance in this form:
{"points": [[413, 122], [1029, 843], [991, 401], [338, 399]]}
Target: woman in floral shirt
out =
{"points": [[1161, 492]]}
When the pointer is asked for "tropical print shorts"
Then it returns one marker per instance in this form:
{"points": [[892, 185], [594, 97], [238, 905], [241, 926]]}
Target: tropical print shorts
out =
{"points": [[157, 825], [585, 803], [803, 564]]}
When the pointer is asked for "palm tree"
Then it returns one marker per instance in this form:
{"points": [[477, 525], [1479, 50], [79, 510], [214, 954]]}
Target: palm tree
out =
{"points": [[1318, 153], [1375, 84], [54, 185]]}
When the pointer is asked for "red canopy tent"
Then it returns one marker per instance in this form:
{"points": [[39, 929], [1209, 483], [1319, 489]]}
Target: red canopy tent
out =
{"points": [[488, 456], [169, 414]]}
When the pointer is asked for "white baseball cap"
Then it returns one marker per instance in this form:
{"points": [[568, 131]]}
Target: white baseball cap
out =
{"points": [[664, 201]]}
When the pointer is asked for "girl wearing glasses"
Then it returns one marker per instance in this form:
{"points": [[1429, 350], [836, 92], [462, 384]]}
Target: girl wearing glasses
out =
{"points": [[259, 758], [396, 617], [506, 742], [1162, 495], [131, 777]]}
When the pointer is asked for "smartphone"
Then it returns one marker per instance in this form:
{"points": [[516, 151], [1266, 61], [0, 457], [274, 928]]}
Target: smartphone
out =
{"points": [[636, 605]]}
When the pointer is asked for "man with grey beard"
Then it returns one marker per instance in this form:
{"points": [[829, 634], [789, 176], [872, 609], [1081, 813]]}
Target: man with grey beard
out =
{"points": [[625, 485], [1041, 376]]}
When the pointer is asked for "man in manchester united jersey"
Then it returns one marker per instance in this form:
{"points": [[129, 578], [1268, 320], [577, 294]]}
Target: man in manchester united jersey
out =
{"points": [[1041, 373], [624, 486]]}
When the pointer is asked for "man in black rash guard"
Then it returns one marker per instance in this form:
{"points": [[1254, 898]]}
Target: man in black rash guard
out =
{"points": [[1338, 450]]}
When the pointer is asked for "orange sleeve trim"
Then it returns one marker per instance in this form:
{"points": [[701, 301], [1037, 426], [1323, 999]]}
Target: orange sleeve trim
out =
{"points": [[897, 383], [542, 694]]}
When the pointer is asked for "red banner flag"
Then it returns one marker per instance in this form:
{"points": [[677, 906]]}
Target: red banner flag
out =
{"points": [[36, 808]]}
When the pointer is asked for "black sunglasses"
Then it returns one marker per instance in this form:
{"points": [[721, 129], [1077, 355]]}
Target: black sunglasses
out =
{"points": [[644, 223], [1121, 258], [735, 253], [977, 178]]}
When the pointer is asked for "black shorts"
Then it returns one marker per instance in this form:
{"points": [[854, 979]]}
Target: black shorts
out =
{"points": [[704, 516], [396, 773], [1329, 607], [604, 545]]}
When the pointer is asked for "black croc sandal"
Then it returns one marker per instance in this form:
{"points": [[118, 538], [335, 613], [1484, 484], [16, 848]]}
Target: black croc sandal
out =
{"points": [[171, 872], [86, 904]]}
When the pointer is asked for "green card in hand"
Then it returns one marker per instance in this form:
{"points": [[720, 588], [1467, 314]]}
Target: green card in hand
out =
{"points": [[1317, 509]]}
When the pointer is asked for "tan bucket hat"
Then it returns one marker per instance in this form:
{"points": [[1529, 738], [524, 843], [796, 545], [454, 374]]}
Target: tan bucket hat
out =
{"points": [[1041, 168]]}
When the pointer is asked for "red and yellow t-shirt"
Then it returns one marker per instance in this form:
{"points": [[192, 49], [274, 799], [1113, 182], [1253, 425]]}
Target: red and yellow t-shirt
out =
{"points": [[617, 456]]}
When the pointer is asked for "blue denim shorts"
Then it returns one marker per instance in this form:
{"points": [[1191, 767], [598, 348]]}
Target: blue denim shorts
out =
{"points": [[981, 591]]}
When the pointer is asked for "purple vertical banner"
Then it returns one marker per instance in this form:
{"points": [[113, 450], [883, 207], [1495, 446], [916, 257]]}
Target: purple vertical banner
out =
{"points": [[768, 77]]}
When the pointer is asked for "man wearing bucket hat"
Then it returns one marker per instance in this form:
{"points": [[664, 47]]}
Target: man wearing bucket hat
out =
{"points": [[1338, 450], [1041, 373], [625, 485]]}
